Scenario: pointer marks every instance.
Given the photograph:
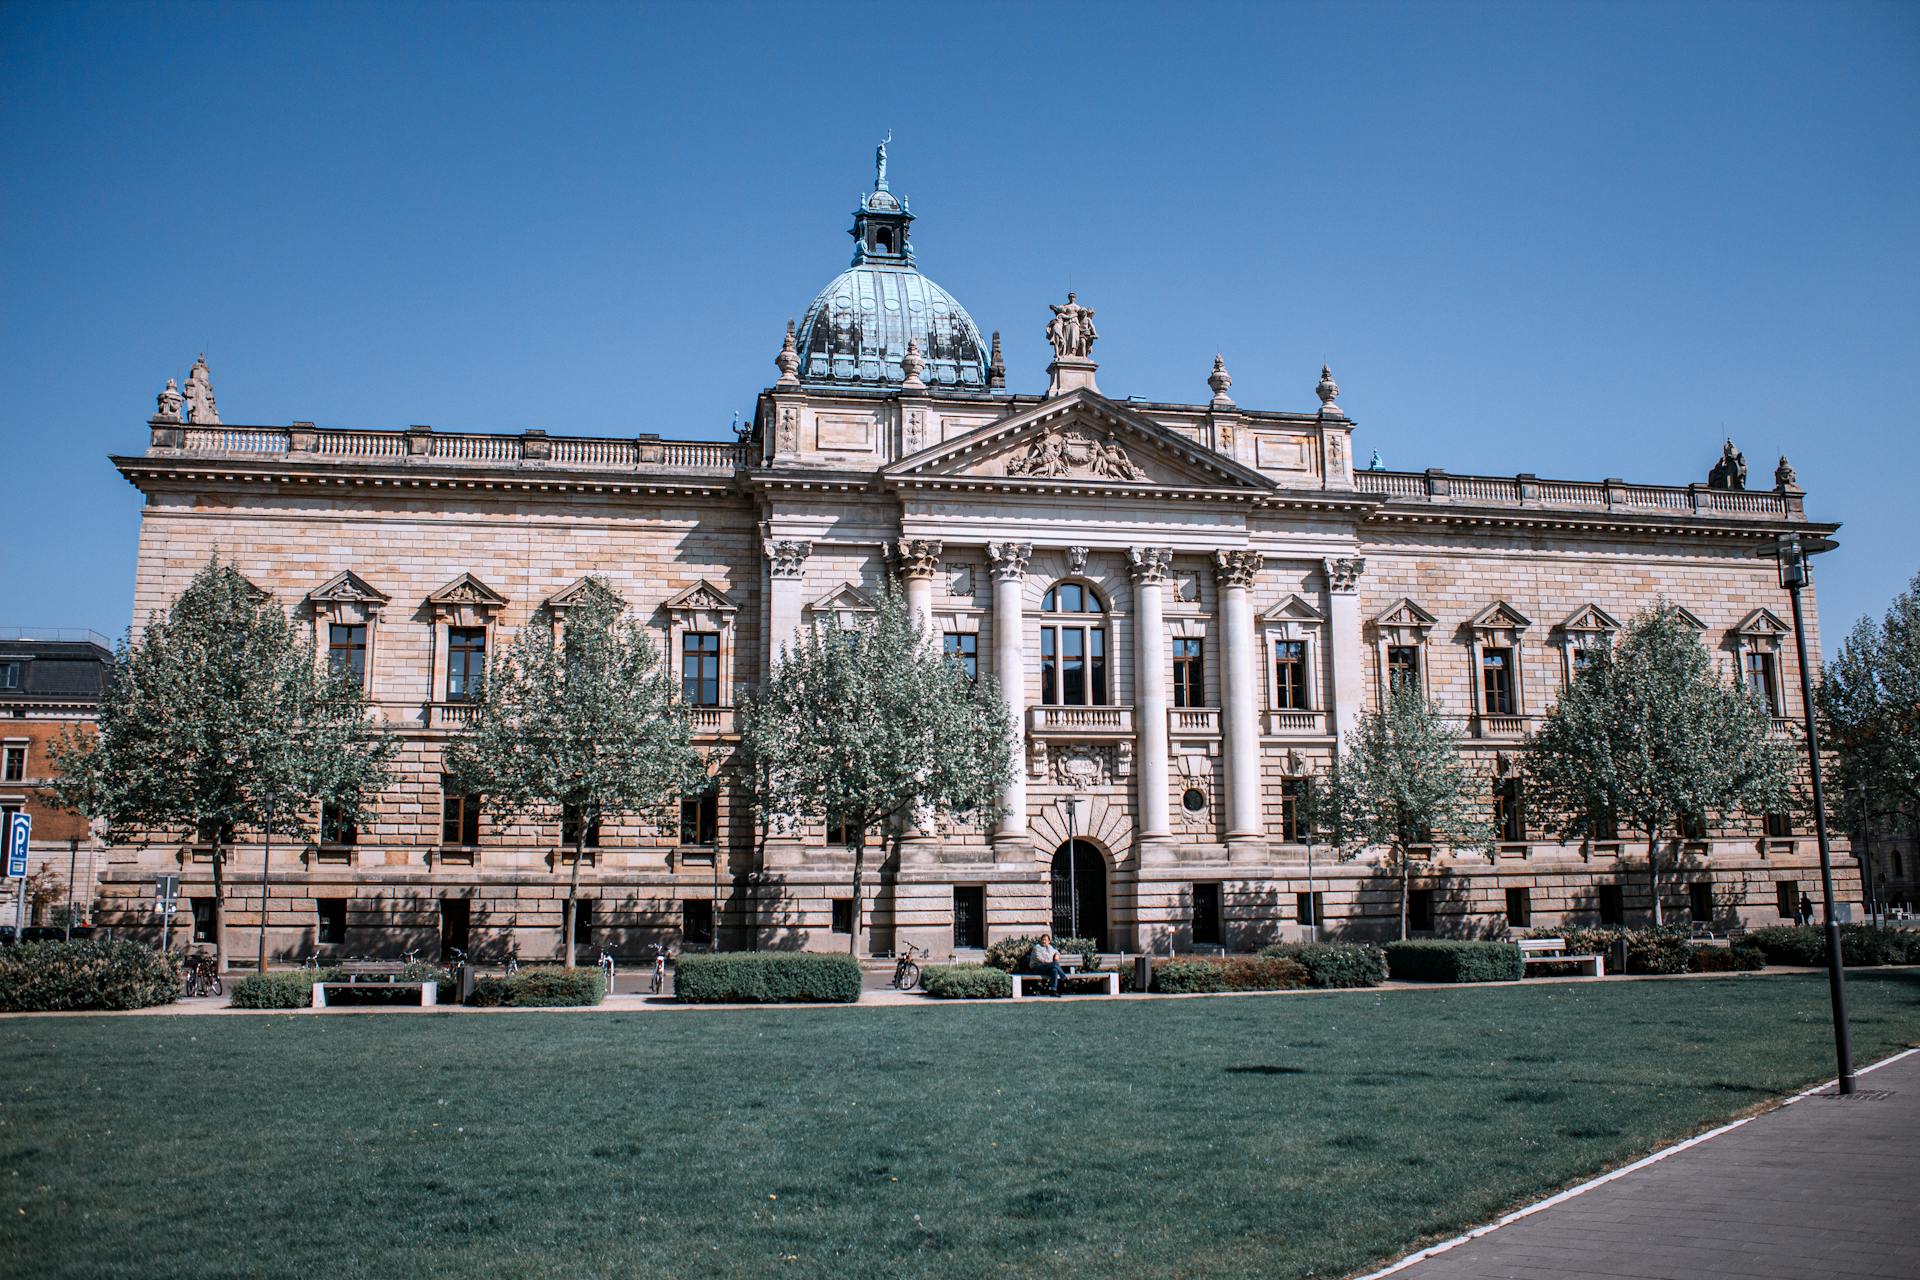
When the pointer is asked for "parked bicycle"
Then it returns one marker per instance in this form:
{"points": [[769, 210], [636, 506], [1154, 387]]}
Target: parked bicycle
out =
{"points": [[906, 969], [513, 960], [659, 968], [202, 976], [606, 965]]}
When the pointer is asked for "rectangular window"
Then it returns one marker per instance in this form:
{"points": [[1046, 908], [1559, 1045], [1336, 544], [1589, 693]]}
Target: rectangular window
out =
{"points": [[963, 647], [696, 921], [1693, 827], [1780, 826], [202, 919], [1403, 666], [456, 918], [1605, 826], [1206, 913], [336, 827], [700, 668], [842, 915], [582, 922], [1700, 902], [466, 663], [1290, 675], [1308, 907], [700, 819], [970, 916], [570, 828], [331, 921], [1787, 899], [16, 763], [1073, 667], [1290, 789], [1420, 910], [839, 832], [1189, 676], [1761, 682], [1519, 909], [1588, 656], [1613, 904], [1496, 682], [9, 675], [347, 650], [1049, 667], [1097, 666], [459, 816], [1509, 811]]}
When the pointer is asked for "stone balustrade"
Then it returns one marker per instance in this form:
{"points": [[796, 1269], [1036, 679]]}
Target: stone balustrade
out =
{"points": [[1081, 722], [1441, 488], [419, 444]]}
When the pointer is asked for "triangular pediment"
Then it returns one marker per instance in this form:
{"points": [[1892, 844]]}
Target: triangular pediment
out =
{"points": [[1294, 608], [1590, 618], [701, 597], [1405, 613], [1077, 440], [346, 587], [1689, 617], [842, 600], [469, 590], [1762, 622], [1499, 616], [576, 591]]}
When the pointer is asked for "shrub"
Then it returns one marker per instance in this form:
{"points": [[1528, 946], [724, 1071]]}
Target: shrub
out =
{"points": [[1668, 949], [1183, 977], [1445, 960], [1725, 959], [1335, 964], [1860, 944], [279, 989], [1010, 954], [541, 987], [39, 976], [780, 977], [966, 982]]}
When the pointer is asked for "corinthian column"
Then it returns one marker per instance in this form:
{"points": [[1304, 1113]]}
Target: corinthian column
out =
{"points": [[1148, 568], [1343, 633], [786, 564], [917, 561], [1009, 563], [1234, 572]]}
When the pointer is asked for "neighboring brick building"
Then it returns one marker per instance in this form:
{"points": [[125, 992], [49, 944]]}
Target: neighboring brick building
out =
{"points": [[50, 682], [1186, 605]]}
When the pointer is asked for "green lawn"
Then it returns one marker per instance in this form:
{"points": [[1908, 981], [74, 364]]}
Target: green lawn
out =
{"points": [[1251, 1136]]}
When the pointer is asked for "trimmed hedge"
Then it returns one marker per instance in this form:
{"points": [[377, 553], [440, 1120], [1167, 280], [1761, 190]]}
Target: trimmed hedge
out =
{"points": [[1668, 949], [1184, 977], [1227, 973], [966, 982], [37, 977], [541, 987], [777, 977], [1446, 960], [278, 989], [1335, 964], [1862, 945], [1733, 959], [1010, 954]]}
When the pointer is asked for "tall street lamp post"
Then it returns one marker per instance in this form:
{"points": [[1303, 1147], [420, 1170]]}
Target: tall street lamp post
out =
{"points": [[1792, 551]]}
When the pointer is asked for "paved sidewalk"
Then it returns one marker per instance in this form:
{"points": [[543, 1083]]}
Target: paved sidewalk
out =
{"points": [[1823, 1187]]}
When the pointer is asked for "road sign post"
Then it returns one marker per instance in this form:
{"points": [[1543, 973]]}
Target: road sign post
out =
{"points": [[166, 891], [19, 833]]}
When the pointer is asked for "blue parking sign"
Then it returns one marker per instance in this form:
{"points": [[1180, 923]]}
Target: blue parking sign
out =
{"points": [[19, 830]]}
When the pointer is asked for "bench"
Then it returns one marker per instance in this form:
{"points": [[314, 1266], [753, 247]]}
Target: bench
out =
{"points": [[1109, 978], [1554, 951], [384, 977]]}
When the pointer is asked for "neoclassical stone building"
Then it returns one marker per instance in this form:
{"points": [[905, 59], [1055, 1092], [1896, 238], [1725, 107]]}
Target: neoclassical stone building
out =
{"points": [[1186, 605]]}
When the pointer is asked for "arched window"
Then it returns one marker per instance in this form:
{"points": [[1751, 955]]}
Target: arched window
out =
{"points": [[1073, 647]]}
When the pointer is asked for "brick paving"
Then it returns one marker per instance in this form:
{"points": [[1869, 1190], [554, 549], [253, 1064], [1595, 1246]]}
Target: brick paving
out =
{"points": [[1823, 1187]]}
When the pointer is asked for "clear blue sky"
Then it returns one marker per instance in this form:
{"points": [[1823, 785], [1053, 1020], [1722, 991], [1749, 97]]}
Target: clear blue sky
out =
{"points": [[1576, 240]]}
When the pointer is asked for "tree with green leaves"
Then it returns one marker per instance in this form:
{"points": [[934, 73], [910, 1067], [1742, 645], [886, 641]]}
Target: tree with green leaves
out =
{"points": [[220, 718], [1868, 700], [1652, 737], [1400, 785], [872, 728], [585, 727]]}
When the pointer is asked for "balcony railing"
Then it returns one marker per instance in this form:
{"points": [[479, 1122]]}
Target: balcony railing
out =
{"points": [[422, 444], [711, 722], [1438, 486], [1785, 726], [1493, 726], [450, 715], [1081, 722], [1193, 722], [1292, 723]]}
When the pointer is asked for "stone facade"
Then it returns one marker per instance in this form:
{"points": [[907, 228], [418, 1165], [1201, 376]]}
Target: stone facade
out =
{"points": [[1246, 590]]}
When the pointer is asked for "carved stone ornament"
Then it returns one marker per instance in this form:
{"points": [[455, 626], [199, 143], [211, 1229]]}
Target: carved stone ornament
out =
{"points": [[961, 582], [912, 364], [914, 432], [787, 437], [1009, 560], [996, 366], [1237, 568], [788, 557], [1060, 453], [1037, 757], [916, 557], [1343, 574], [1071, 330], [788, 361], [1731, 471], [1329, 393], [1082, 766], [1220, 380], [1076, 559], [169, 401], [199, 397], [1149, 564], [1783, 476]]}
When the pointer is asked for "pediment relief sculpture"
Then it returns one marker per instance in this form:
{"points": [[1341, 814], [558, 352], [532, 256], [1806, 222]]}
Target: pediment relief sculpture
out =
{"points": [[701, 597], [1073, 451], [346, 588], [1499, 616], [1590, 619], [467, 590]]}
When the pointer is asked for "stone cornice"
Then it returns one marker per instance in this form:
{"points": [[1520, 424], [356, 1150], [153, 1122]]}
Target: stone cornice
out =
{"points": [[149, 469]]}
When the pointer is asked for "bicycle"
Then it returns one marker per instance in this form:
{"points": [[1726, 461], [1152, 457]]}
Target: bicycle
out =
{"points": [[513, 960], [659, 968], [605, 962], [202, 978], [906, 969]]}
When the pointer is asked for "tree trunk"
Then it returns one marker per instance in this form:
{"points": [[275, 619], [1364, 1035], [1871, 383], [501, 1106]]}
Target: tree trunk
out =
{"points": [[859, 866], [219, 913], [1653, 870], [1406, 886], [573, 888]]}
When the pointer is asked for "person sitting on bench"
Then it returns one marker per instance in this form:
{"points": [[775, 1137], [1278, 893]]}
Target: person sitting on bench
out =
{"points": [[1045, 959]]}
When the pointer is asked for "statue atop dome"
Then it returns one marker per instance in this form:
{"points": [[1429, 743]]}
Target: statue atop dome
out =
{"points": [[1071, 330], [880, 163]]}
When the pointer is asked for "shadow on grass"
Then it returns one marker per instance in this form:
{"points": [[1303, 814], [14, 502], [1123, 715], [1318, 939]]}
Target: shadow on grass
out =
{"points": [[1263, 1069]]}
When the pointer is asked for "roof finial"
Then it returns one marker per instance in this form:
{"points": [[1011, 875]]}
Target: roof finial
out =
{"points": [[996, 367], [1783, 476], [1220, 380], [880, 162], [788, 361], [1329, 393], [199, 395], [911, 364]]}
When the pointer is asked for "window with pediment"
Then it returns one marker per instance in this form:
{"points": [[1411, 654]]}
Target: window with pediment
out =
{"points": [[464, 612], [1586, 639], [1400, 647], [1757, 646], [1293, 632], [1073, 646], [346, 616], [700, 642], [1499, 684]]}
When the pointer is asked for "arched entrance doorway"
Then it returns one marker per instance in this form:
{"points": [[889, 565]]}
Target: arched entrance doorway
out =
{"points": [[1080, 892]]}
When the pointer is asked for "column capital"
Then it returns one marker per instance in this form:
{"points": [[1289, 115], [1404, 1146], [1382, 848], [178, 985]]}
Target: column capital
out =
{"points": [[1149, 564], [1343, 573], [915, 558], [788, 556], [1009, 560], [1237, 568]]}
